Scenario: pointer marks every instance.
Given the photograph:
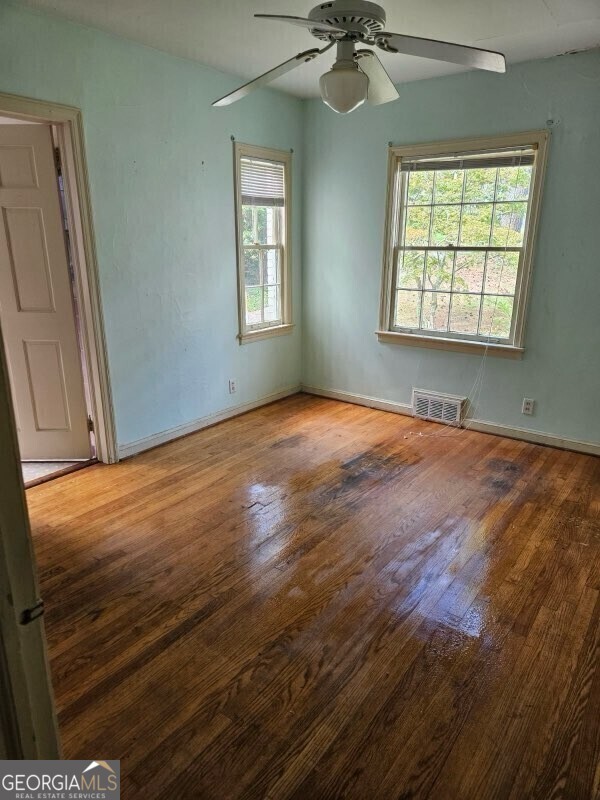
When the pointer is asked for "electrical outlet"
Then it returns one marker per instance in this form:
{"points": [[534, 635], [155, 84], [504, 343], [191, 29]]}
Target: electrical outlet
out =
{"points": [[231, 386], [527, 407]]}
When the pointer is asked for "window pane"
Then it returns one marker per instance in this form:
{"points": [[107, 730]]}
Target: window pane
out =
{"points": [[444, 230], [261, 224], [438, 273], [513, 183], [496, 315], [254, 305], [408, 308], [271, 295], [417, 225], [449, 186], [420, 187], [267, 219], [509, 224], [476, 224], [410, 269], [247, 225], [480, 184], [252, 267], [435, 311], [468, 271], [501, 273], [464, 313], [271, 266]]}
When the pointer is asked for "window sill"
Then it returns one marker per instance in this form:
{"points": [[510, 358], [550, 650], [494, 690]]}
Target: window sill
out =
{"points": [[264, 333], [459, 345]]}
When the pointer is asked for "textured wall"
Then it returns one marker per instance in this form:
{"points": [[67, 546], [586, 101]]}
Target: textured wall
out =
{"points": [[345, 185], [160, 161], [161, 173]]}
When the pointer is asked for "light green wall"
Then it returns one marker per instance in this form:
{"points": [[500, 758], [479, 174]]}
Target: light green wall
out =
{"points": [[160, 163], [345, 183]]}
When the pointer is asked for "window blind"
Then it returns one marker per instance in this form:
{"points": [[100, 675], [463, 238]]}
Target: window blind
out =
{"points": [[513, 158], [262, 182]]}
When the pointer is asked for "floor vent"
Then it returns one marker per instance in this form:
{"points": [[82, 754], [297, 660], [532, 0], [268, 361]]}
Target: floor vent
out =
{"points": [[446, 408]]}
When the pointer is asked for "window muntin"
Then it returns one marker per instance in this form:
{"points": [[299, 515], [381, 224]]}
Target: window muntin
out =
{"points": [[262, 202], [459, 242]]}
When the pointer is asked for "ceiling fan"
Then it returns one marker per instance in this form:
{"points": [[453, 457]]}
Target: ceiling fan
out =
{"points": [[359, 75]]}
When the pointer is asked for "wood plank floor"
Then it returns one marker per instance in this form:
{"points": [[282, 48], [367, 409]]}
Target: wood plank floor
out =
{"points": [[318, 600]]}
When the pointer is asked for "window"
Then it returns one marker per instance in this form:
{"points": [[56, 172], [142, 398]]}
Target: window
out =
{"points": [[461, 220], [263, 223]]}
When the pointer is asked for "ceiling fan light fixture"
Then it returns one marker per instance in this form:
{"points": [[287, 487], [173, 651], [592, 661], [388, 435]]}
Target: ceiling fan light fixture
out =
{"points": [[344, 87], [348, 23]]}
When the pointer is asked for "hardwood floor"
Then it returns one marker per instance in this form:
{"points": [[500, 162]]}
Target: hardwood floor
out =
{"points": [[318, 600]]}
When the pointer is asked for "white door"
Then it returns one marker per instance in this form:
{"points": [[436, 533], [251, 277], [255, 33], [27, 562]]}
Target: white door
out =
{"points": [[27, 719], [36, 304]]}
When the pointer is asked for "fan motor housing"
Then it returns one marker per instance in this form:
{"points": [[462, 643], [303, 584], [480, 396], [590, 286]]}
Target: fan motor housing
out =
{"points": [[363, 20]]}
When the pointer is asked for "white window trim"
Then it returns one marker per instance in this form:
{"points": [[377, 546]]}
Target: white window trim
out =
{"points": [[245, 333], [515, 348]]}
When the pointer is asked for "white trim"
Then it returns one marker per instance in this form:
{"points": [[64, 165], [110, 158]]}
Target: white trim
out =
{"points": [[265, 333], [361, 400], [470, 144], [535, 437], [131, 449], [69, 123], [458, 345], [480, 425]]}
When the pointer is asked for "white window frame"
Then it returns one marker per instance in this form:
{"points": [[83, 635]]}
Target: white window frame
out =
{"points": [[253, 333], [387, 333]]}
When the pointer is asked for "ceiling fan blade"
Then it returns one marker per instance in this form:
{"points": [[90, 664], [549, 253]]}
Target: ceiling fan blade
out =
{"points": [[381, 89], [269, 76], [304, 22], [442, 51]]}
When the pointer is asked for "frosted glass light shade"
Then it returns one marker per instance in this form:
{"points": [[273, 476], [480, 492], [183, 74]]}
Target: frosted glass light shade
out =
{"points": [[344, 88]]}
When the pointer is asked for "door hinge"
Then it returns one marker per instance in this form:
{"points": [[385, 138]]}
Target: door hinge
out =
{"points": [[90, 424], [58, 160], [30, 614]]}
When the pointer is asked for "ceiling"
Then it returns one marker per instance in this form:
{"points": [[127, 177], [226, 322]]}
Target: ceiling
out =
{"points": [[223, 33]]}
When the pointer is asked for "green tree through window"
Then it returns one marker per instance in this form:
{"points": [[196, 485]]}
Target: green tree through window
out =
{"points": [[458, 257]]}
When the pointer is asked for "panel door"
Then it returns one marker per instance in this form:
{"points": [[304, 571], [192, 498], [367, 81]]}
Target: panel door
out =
{"points": [[36, 303]]}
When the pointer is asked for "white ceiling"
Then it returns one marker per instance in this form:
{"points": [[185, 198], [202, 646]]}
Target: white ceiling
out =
{"points": [[224, 35]]}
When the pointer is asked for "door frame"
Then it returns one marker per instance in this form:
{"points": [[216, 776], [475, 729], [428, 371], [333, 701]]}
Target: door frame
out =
{"points": [[68, 123]]}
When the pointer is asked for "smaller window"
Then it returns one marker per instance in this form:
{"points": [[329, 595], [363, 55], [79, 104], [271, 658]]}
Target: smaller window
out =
{"points": [[460, 228], [263, 225]]}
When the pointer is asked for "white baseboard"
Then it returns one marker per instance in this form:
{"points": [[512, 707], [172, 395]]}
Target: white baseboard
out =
{"points": [[484, 426], [361, 400], [523, 434], [126, 450], [535, 437]]}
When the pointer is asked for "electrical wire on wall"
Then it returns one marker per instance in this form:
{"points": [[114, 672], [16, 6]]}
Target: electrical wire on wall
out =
{"points": [[474, 394]]}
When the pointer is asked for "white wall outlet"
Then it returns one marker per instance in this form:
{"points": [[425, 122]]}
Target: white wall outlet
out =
{"points": [[527, 407], [232, 386]]}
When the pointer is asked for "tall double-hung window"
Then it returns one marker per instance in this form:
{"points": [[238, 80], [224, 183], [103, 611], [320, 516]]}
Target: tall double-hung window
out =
{"points": [[263, 182]]}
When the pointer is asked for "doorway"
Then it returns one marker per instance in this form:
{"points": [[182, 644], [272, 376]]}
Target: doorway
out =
{"points": [[29, 729], [49, 306]]}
